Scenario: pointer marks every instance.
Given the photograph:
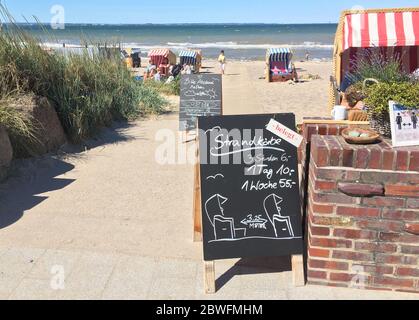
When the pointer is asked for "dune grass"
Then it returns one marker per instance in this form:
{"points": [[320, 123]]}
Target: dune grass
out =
{"points": [[89, 89], [172, 88]]}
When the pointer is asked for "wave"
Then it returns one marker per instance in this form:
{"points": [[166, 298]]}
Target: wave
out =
{"points": [[209, 45]]}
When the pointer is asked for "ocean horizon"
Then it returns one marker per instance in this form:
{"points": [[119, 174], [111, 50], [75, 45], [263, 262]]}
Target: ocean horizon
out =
{"points": [[241, 41]]}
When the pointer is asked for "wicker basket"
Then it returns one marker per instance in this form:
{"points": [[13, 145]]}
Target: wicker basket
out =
{"points": [[381, 124]]}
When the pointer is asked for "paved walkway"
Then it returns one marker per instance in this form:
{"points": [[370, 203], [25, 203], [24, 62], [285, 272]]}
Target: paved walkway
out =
{"points": [[114, 224]]}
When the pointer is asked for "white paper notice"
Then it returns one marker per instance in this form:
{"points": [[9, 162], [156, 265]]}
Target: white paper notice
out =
{"points": [[283, 132]]}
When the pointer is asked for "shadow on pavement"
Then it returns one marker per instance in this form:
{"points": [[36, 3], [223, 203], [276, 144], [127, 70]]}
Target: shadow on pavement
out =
{"points": [[255, 266], [30, 178]]}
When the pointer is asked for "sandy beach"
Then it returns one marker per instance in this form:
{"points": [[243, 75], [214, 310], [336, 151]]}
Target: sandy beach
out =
{"points": [[245, 91]]}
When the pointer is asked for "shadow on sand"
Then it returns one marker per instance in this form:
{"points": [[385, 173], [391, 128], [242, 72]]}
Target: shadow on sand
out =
{"points": [[254, 266], [29, 178]]}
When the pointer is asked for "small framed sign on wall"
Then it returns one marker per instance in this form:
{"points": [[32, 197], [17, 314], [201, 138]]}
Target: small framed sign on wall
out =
{"points": [[404, 125]]}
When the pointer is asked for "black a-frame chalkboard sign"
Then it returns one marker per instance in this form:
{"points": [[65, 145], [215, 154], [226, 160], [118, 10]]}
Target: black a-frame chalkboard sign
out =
{"points": [[249, 191]]}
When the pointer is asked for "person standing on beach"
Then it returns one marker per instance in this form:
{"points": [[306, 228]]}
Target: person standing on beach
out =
{"points": [[222, 61]]}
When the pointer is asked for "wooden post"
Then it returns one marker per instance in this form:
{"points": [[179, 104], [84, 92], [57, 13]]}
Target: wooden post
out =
{"points": [[298, 271], [197, 209], [209, 277], [197, 214]]}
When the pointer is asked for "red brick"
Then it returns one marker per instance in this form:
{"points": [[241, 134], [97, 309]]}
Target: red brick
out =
{"points": [[412, 204], [397, 237], [400, 215], [381, 225], [388, 160], [330, 243], [323, 209], [309, 131], [333, 198], [325, 185], [414, 161], [362, 158], [320, 231], [408, 291], [393, 259], [402, 190], [318, 253], [394, 282], [333, 130], [384, 202], [322, 129], [410, 249], [412, 228], [348, 158], [376, 247], [332, 265], [402, 162], [361, 189], [407, 272], [354, 256], [341, 277], [317, 274], [355, 234], [378, 270], [326, 221], [328, 174], [375, 159], [358, 212]]}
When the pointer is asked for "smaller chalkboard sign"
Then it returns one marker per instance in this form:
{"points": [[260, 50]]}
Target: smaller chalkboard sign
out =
{"points": [[200, 95], [249, 188]]}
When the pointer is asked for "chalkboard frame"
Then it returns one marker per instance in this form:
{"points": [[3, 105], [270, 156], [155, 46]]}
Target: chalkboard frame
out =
{"points": [[192, 122], [296, 246]]}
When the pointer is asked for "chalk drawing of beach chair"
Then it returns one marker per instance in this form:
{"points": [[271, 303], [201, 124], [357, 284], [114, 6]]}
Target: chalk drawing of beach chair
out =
{"points": [[282, 225]]}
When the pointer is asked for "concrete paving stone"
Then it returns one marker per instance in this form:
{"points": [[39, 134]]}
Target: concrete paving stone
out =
{"points": [[7, 285], [53, 258], [18, 262], [89, 277], [131, 279], [177, 269], [35, 289], [311, 293], [172, 289]]}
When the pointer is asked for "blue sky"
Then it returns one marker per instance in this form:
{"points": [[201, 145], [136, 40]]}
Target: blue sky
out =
{"points": [[194, 11]]}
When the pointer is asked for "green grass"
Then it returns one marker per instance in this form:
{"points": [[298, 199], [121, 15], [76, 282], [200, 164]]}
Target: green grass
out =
{"points": [[170, 89], [89, 90], [21, 128]]}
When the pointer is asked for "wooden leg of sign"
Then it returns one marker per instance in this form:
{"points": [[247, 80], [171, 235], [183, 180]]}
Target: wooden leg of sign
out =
{"points": [[197, 211], [197, 216], [209, 277], [298, 271]]}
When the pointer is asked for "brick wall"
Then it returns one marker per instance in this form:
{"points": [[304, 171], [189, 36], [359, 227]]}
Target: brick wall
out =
{"points": [[362, 207]]}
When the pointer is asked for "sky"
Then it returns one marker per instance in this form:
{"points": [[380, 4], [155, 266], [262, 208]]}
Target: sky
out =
{"points": [[194, 11]]}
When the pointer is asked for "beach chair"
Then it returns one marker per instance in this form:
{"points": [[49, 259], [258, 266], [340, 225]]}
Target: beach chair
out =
{"points": [[392, 31], [279, 66], [162, 58], [192, 58]]}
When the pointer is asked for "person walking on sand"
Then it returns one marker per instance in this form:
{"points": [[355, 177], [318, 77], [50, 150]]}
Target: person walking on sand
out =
{"points": [[222, 61]]}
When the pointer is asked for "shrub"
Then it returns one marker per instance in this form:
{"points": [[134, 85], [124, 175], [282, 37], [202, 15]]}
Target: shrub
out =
{"points": [[378, 96], [374, 64]]}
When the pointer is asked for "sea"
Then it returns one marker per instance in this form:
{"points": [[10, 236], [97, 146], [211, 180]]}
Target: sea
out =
{"points": [[240, 41]]}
